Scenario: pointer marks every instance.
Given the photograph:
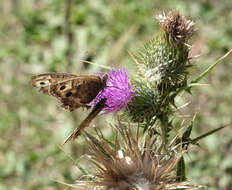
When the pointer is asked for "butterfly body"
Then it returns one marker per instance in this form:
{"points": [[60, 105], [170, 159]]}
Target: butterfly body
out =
{"points": [[73, 91]]}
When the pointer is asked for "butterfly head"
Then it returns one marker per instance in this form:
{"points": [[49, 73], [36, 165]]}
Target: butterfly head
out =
{"points": [[104, 80]]}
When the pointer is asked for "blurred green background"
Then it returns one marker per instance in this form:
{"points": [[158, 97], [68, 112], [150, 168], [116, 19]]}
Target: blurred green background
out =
{"points": [[38, 36]]}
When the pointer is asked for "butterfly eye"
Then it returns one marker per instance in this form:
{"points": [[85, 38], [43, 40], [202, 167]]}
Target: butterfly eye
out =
{"points": [[68, 94], [62, 87]]}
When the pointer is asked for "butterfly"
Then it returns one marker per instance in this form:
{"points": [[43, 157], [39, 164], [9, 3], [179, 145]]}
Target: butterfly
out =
{"points": [[73, 92]]}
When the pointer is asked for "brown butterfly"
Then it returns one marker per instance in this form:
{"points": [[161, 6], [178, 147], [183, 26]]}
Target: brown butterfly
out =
{"points": [[73, 91]]}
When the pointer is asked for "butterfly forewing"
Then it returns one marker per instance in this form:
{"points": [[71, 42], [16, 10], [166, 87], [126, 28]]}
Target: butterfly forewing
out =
{"points": [[44, 81], [73, 91]]}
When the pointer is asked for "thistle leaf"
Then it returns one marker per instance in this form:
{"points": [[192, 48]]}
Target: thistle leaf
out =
{"points": [[194, 141], [202, 75], [181, 175]]}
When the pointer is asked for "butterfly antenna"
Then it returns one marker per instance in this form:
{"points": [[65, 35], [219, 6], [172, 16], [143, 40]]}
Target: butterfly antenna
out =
{"points": [[96, 109], [113, 87], [102, 66]]}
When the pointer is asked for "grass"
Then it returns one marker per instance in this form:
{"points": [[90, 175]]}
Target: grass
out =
{"points": [[34, 39]]}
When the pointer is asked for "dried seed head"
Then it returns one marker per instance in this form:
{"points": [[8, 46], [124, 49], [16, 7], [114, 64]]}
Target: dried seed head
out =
{"points": [[127, 166]]}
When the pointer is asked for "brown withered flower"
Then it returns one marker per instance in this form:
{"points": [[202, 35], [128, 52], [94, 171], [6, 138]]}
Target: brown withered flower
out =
{"points": [[127, 166], [176, 25]]}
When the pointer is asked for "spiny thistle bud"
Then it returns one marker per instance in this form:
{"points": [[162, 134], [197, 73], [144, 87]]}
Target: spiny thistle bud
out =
{"points": [[145, 103], [164, 60], [127, 166]]}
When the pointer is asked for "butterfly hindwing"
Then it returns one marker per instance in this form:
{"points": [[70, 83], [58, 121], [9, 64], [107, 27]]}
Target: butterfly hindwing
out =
{"points": [[96, 109]]}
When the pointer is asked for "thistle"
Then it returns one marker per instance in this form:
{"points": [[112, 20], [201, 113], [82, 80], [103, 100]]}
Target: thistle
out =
{"points": [[145, 104], [163, 73], [164, 60], [127, 165], [118, 91]]}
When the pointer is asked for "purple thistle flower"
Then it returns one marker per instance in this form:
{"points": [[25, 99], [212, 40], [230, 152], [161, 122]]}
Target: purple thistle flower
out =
{"points": [[118, 91]]}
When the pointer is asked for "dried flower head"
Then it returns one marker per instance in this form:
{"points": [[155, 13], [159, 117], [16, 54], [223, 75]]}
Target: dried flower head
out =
{"points": [[118, 91], [177, 26], [127, 166]]}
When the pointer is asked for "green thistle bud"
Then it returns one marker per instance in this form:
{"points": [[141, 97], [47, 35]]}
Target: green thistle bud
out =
{"points": [[164, 60], [145, 104]]}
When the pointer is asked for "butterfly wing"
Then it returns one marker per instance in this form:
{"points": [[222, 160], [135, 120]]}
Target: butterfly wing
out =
{"points": [[44, 81], [96, 109], [77, 92], [71, 90]]}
